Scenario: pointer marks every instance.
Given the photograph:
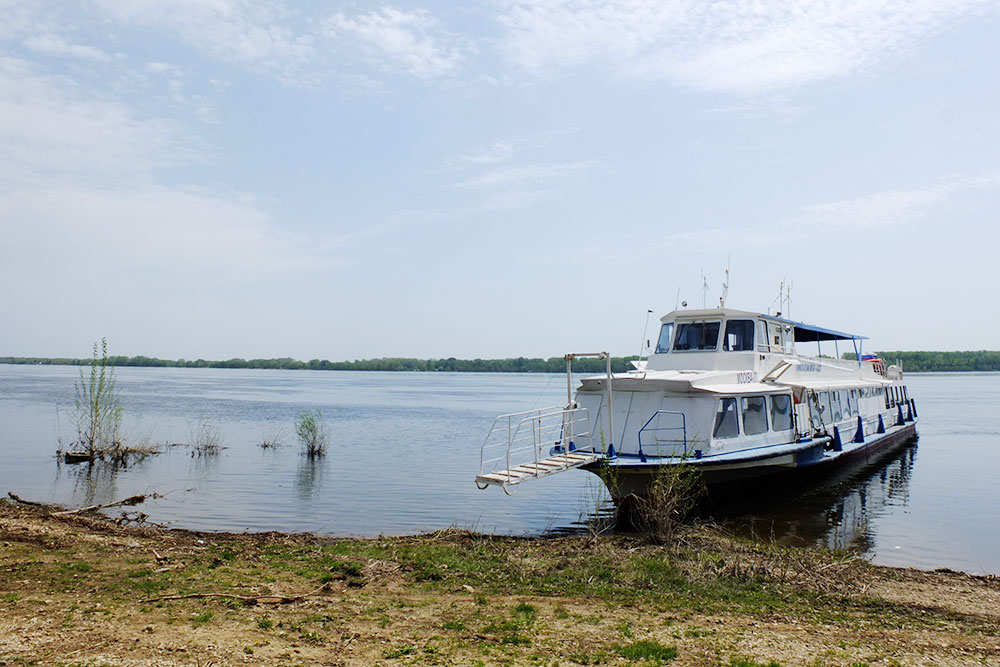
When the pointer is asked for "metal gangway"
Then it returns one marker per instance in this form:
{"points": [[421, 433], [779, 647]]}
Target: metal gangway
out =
{"points": [[537, 443]]}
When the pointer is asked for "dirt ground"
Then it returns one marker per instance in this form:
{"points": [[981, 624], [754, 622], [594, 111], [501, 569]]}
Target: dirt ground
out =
{"points": [[81, 590]]}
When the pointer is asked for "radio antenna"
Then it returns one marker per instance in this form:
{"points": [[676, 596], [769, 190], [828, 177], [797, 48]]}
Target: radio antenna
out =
{"points": [[725, 286], [643, 344]]}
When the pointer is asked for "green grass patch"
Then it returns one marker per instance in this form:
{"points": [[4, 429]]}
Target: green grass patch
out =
{"points": [[75, 567], [648, 649], [399, 652], [202, 618], [525, 611]]}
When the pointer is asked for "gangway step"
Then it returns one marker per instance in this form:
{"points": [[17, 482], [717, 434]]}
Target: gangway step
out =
{"points": [[539, 468]]}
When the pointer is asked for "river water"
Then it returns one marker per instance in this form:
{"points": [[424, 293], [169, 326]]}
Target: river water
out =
{"points": [[404, 449]]}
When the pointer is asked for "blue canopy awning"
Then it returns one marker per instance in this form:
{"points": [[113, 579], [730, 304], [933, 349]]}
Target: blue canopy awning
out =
{"points": [[805, 333]]}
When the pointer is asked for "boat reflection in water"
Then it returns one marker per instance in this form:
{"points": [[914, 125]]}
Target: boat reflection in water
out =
{"points": [[835, 512]]}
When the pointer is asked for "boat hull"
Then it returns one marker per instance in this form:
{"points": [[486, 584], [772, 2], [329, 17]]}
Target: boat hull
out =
{"points": [[627, 480]]}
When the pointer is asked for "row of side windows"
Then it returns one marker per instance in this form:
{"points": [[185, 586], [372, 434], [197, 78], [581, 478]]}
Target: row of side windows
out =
{"points": [[755, 412], [834, 406], [895, 396]]}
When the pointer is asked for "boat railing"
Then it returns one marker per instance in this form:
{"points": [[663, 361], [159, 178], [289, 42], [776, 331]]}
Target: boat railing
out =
{"points": [[532, 436], [663, 433]]}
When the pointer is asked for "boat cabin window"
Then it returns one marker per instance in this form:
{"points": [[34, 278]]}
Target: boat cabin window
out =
{"points": [[739, 336], [818, 408], [781, 412], [726, 424], [835, 405], [774, 336], [697, 336], [663, 343], [754, 415], [762, 345]]}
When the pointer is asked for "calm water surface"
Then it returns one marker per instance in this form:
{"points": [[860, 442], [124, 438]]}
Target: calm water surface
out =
{"points": [[405, 447]]}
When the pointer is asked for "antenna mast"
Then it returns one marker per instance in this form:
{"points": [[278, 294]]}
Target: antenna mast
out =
{"points": [[642, 343], [725, 287]]}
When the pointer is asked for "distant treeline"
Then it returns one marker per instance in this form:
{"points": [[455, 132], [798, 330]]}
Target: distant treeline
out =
{"points": [[518, 365], [976, 360], [981, 360]]}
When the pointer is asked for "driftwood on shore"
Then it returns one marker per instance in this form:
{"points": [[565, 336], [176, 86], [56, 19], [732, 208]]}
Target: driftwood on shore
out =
{"points": [[131, 500], [18, 499], [247, 599]]}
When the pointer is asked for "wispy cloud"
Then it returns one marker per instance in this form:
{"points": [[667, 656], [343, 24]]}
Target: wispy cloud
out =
{"points": [[889, 208], [411, 41], [174, 82], [55, 45], [873, 211], [153, 228], [52, 129], [521, 175], [730, 45], [505, 149], [497, 152], [256, 34]]}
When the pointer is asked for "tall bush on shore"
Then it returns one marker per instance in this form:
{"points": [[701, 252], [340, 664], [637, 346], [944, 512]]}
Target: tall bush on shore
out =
{"points": [[672, 496], [98, 407]]}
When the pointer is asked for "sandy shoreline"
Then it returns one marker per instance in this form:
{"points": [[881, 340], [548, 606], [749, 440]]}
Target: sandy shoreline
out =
{"points": [[79, 589]]}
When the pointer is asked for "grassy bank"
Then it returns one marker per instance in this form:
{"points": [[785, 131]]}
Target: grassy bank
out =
{"points": [[81, 590]]}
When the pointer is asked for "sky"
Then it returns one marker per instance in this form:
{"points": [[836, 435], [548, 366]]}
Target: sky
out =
{"points": [[348, 180]]}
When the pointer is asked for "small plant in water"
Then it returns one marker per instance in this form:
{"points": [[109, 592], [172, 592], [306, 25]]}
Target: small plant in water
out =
{"points": [[312, 433], [98, 408], [206, 437], [272, 441]]}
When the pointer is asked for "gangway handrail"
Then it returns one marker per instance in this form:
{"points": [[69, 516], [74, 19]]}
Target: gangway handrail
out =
{"points": [[531, 433], [508, 417], [543, 422]]}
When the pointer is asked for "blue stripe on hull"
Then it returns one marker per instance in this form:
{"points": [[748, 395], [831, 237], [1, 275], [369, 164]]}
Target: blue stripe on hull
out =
{"points": [[634, 478]]}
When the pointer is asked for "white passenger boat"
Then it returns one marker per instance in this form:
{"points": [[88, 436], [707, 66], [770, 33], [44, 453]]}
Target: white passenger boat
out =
{"points": [[730, 393]]}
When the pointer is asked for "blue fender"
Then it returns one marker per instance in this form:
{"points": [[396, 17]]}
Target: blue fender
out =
{"points": [[859, 435]]}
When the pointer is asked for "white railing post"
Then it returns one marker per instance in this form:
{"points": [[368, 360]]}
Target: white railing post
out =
{"points": [[536, 430], [611, 407], [568, 423], [507, 459]]}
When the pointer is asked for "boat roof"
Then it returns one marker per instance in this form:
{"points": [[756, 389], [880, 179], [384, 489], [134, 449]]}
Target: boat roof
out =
{"points": [[804, 333], [810, 332]]}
